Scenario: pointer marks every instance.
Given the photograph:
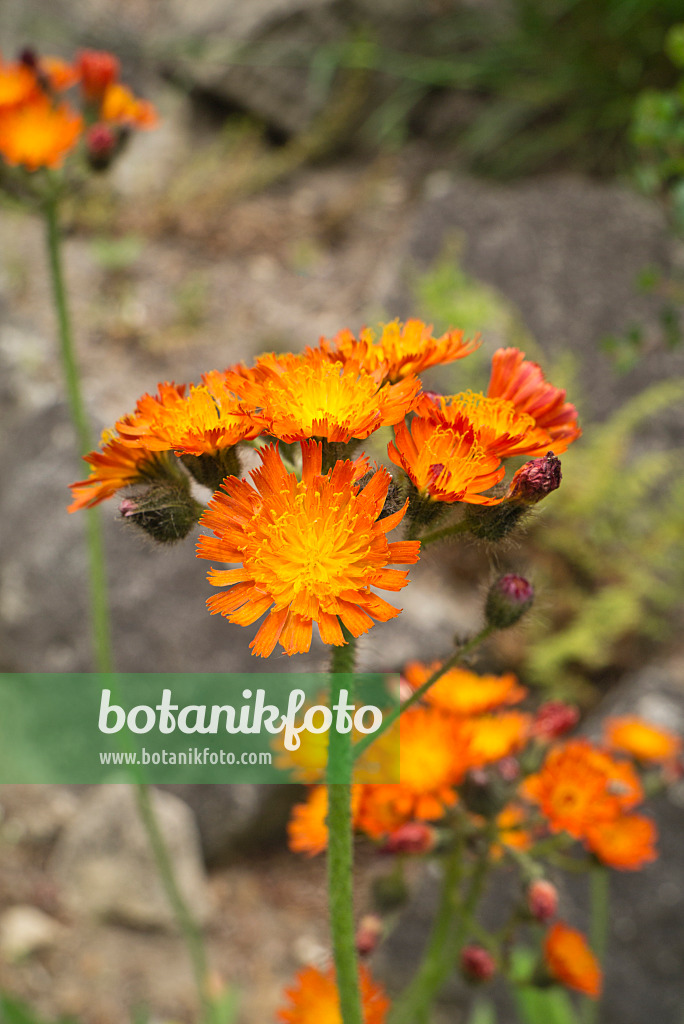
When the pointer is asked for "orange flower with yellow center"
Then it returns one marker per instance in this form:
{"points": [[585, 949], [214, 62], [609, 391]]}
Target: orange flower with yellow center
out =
{"points": [[580, 786], [313, 999], [60, 74], [627, 843], [37, 134], [307, 828], [205, 420], [445, 463], [571, 961], [642, 740], [310, 549], [120, 106], [114, 467], [493, 737], [523, 383], [303, 396], [401, 350], [17, 84], [463, 692], [501, 429]]}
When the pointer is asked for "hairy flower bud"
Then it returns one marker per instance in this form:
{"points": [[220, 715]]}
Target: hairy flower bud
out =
{"points": [[167, 512], [412, 837], [477, 963], [553, 719], [535, 480], [368, 934], [102, 143], [542, 900], [508, 600], [211, 468]]}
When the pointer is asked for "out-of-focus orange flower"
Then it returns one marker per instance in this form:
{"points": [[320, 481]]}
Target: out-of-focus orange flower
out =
{"points": [[580, 786], [523, 383], [626, 843], [120, 106], [493, 737], [313, 999], [463, 692], [303, 396], [501, 429], [59, 73], [114, 467], [401, 350], [37, 134], [18, 84], [310, 551], [571, 961], [307, 828], [642, 740], [445, 463], [97, 70]]}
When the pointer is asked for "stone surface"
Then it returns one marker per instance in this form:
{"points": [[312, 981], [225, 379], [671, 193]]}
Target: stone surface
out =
{"points": [[104, 866], [25, 930]]}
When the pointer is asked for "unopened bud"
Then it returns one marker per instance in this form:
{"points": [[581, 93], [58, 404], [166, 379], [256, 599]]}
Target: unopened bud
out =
{"points": [[508, 600], [412, 837], [166, 512], [508, 768], [98, 69], [102, 143], [535, 480], [553, 719], [542, 900], [477, 963], [29, 58], [368, 934], [484, 792]]}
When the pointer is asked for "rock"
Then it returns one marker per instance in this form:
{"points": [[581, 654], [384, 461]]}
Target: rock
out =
{"points": [[25, 930], [104, 866]]}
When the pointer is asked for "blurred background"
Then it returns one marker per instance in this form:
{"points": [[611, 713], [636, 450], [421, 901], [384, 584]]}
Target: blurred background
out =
{"points": [[513, 167]]}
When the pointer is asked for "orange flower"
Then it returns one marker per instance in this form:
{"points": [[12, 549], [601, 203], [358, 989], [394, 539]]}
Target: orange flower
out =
{"points": [[627, 843], [307, 828], [303, 396], [17, 84], [522, 383], [571, 961], [203, 421], [60, 74], [493, 737], [37, 134], [122, 107], [445, 463], [500, 428], [114, 467], [313, 999], [97, 70], [400, 351], [580, 786], [642, 740], [511, 824], [310, 551], [463, 692]]}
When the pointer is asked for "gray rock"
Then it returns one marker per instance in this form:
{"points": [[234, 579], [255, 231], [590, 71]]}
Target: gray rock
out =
{"points": [[104, 866], [25, 930]]}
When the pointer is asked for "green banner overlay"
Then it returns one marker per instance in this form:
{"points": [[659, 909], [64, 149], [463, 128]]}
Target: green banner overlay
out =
{"points": [[74, 728]]}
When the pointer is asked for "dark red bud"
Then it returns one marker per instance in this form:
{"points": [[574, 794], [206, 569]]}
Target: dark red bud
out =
{"points": [[554, 719], [535, 480], [508, 600], [477, 963], [542, 900]]}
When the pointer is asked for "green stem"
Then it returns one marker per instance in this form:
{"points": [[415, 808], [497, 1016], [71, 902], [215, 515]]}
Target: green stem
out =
{"points": [[446, 531], [96, 558], [362, 745], [599, 888], [340, 843]]}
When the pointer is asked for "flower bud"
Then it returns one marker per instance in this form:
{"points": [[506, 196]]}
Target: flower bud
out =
{"points": [[102, 143], [553, 719], [368, 934], [166, 512], [542, 900], [477, 963], [508, 600], [412, 837], [98, 69], [484, 792], [535, 480]]}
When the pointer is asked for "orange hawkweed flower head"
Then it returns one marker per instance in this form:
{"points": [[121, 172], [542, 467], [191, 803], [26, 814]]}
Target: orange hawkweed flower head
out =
{"points": [[307, 829], [464, 692], [120, 106], [571, 961], [114, 467], [37, 134], [59, 73], [513, 833], [97, 70], [493, 737], [644, 741], [313, 999], [401, 350], [522, 383], [627, 843], [445, 463], [310, 551], [580, 786], [18, 84], [303, 396], [501, 429]]}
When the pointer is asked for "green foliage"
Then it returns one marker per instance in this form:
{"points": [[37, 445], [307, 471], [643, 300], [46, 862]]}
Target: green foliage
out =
{"points": [[616, 529], [13, 1011]]}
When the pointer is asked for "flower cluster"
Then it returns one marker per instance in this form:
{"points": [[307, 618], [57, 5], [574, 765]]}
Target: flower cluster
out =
{"points": [[40, 125], [308, 531]]}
